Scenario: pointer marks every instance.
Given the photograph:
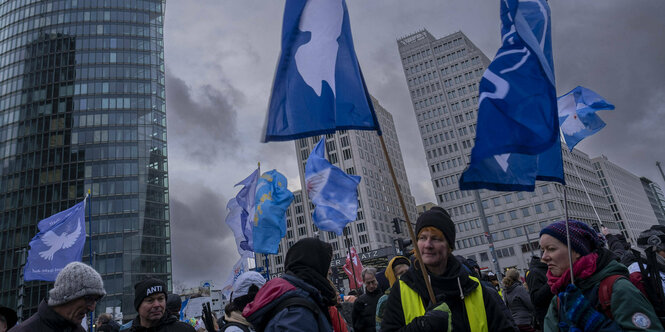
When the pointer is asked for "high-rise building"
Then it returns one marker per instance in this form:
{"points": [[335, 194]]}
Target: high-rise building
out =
{"points": [[82, 107], [356, 152], [628, 201], [656, 198], [443, 76]]}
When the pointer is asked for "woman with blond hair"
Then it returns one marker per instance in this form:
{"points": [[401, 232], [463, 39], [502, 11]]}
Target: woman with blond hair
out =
{"points": [[518, 301]]}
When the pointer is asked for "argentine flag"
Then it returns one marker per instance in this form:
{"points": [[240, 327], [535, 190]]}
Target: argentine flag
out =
{"points": [[577, 114], [333, 192], [318, 86]]}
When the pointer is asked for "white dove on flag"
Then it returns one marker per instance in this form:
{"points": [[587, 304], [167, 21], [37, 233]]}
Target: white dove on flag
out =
{"points": [[56, 242], [568, 109]]}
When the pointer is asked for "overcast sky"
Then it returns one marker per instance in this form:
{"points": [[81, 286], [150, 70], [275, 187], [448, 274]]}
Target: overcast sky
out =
{"points": [[221, 56]]}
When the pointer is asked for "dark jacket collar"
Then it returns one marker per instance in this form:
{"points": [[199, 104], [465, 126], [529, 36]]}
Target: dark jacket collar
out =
{"points": [[52, 319], [165, 320], [454, 282]]}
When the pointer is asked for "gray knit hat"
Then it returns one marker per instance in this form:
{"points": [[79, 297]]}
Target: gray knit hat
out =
{"points": [[74, 281]]}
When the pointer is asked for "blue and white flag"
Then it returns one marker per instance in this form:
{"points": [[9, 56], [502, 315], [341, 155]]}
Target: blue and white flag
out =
{"points": [[517, 111], [272, 200], [241, 213], [59, 242], [239, 268], [318, 86], [515, 171], [577, 114], [183, 306], [333, 192]]}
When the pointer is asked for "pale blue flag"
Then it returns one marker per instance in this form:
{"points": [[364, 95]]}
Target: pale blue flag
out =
{"points": [[577, 114], [241, 213], [59, 242], [318, 86], [239, 268], [333, 192], [272, 200]]}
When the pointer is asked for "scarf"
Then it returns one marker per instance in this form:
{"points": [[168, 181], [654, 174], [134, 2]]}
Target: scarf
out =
{"points": [[236, 316], [309, 260], [583, 268]]}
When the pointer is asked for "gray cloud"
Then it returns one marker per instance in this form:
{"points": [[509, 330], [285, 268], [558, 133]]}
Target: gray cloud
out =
{"points": [[203, 123], [203, 247]]}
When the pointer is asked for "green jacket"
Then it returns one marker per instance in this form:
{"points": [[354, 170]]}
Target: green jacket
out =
{"points": [[626, 303]]}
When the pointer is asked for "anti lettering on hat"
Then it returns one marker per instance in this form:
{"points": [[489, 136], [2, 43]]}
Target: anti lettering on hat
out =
{"points": [[153, 289]]}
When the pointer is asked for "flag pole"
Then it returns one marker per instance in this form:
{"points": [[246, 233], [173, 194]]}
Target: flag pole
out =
{"points": [[409, 226], [21, 286], [89, 197], [353, 267], [570, 252]]}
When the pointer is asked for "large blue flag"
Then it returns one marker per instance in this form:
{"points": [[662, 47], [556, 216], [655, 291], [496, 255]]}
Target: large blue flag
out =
{"points": [[333, 192], [59, 242], [241, 213], [318, 86], [517, 111], [515, 171], [272, 199], [577, 114]]}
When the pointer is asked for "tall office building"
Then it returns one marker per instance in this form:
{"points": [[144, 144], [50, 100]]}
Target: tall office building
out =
{"points": [[82, 107], [628, 201], [656, 197], [356, 152], [443, 76]]}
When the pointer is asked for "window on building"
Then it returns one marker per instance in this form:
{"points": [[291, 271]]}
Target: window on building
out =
{"points": [[525, 212], [484, 257]]}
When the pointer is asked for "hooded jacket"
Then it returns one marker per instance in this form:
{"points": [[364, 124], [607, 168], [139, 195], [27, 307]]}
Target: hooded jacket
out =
{"points": [[364, 311], [539, 290], [630, 310], [46, 319], [519, 303], [168, 323], [294, 318], [447, 288]]}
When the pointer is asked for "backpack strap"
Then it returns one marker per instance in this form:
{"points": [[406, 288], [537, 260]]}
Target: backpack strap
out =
{"points": [[605, 294], [243, 327]]}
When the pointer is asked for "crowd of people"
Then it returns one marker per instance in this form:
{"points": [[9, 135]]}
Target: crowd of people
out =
{"points": [[612, 287]]}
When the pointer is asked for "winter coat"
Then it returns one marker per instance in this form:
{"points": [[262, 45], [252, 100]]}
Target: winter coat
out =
{"points": [[519, 303], [628, 306], [364, 311], [46, 320], [168, 323], [294, 318], [347, 312], [539, 290], [338, 322], [447, 288]]}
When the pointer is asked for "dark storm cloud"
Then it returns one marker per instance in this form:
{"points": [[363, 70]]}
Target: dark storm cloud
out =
{"points": [[203, 247], [203, 122]]}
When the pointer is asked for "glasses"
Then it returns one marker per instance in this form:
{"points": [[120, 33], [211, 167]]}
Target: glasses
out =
{"points": [[91, 299]]}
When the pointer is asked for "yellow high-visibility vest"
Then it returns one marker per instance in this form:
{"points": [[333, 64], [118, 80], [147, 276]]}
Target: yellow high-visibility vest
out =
{"points": [[412, 305]]}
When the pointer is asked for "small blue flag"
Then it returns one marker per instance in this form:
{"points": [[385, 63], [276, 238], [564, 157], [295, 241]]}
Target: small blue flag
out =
{"points": [[515, 171], [577, 114], [318, 86], [272, 199], [59, 242], [239, 268], [517, 113], [183, 306], [241, 213], [333, 192]]}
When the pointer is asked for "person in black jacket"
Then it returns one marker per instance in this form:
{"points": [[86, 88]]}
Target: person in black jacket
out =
{"points": [[150, 303], [364, 309], [539, 290], [462, 303]]}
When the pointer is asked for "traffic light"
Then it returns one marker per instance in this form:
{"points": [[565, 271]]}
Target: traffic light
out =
{"points": [[396, 228], [403, 245]]}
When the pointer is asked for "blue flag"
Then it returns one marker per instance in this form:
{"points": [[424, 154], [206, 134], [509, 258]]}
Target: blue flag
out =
{"points": [[59, 242], [515, 171], [318, 86], [183, 306], [241, 213], [577, 114], [272, 200], [517, 111], [333, 192]]}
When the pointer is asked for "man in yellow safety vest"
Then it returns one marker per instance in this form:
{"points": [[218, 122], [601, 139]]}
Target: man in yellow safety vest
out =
{"points": [[463, 304]]}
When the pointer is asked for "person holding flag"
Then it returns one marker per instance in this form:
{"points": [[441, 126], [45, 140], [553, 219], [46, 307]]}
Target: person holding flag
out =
{"points": [[463, 303]]}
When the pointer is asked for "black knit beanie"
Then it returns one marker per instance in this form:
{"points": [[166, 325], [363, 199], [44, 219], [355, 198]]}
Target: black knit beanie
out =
{"points": [[438, 218], [146, 288]]}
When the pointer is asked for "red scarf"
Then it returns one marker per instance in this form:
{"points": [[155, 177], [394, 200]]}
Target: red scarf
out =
{"points": [[582, 268]]}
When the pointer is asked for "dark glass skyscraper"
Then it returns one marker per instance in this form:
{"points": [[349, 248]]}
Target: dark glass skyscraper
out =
{"points": [[82, 107]]}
